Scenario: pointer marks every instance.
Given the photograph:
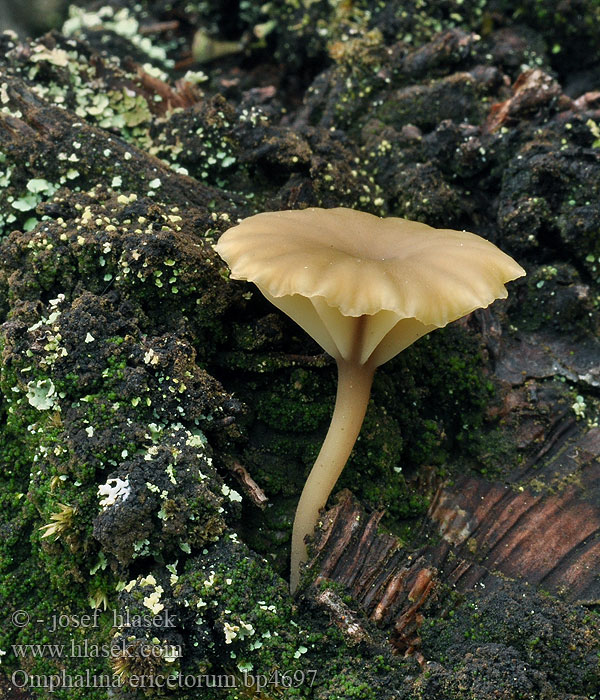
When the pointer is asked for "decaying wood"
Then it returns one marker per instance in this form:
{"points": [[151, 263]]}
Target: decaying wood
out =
{"points": [[390, 586], [341, 616], [541, 524], [159, 27], [531, 90], [42, 131], [251, 488], [549, 539]]}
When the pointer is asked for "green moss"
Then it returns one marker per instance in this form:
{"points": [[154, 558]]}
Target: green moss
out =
{"points": [[258, 629], [43, 577], [41, 602], [537, 629], [294, 404]]}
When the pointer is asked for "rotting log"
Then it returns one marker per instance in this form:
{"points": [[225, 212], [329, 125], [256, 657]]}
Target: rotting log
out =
{"points": [[541, 524]]}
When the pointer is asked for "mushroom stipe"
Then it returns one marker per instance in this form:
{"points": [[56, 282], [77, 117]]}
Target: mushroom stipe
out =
{"points": [[364, 288]]}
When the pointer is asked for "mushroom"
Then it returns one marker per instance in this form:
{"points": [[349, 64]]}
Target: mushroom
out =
{"points": [[364, 288]]}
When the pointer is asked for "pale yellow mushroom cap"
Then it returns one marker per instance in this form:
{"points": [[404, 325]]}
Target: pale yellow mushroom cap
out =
{"points": [[350, 263]]}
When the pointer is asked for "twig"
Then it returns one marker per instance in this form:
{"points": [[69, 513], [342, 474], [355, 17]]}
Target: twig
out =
{"points": [[252, 489]]}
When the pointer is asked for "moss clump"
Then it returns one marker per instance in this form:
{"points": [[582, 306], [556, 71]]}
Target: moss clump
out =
{"points": [[146, 252], [292, 405], [552, 645], [244, 622], [442, 395], [102, 465], [46, 577]]}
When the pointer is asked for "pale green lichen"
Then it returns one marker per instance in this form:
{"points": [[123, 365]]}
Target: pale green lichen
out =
{"points": [[41, 394], [121, 22]]}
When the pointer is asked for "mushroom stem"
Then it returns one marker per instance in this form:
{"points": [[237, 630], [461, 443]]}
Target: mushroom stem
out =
{"points": [[353, 390]]}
